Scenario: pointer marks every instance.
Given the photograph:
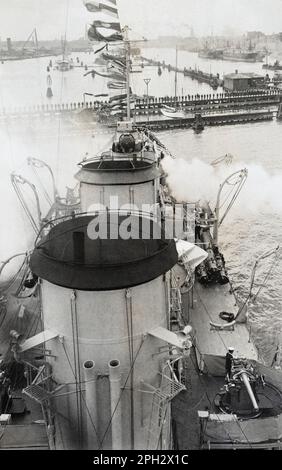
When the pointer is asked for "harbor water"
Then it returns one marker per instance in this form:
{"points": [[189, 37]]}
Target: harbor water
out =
{"points": [[252, 227]]}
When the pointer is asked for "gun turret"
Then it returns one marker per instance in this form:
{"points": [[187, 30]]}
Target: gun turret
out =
{"points": [[245, 377], [239, 395]]}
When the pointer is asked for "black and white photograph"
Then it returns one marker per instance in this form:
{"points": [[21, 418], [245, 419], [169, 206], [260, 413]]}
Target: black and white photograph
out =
{"points": [[140, 259]]}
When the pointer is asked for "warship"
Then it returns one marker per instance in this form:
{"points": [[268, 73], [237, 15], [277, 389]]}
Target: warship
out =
{"points": [[210, 53], [231, 54], [121, 328], [238, 55], [246, 54]]}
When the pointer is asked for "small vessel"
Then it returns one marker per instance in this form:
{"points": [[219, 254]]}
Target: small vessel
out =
{"points": [[198, 124], [64, 64], [170, 112]]}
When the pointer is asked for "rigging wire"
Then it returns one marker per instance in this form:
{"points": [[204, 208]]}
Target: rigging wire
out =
{"points": [[76, 366], [121, 394], [129, 320], [83, 398], [250, 295], [240, 185], [26, 210], [44, 191], [268, 274]]}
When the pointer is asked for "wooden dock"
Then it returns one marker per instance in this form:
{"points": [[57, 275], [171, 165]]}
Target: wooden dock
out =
{"points": [[189, 103], [219, 119], [216, 109], [196, 74], [213, 80]]}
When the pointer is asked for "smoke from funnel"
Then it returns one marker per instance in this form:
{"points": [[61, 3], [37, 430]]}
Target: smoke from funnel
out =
{"points": [[198, 181]]}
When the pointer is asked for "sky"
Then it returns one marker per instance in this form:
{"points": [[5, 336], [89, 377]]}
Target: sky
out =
{"points": [[149, 18]]}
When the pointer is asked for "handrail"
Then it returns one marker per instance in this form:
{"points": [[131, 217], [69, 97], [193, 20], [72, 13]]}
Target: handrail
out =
{"points": [[128, 211], [115, 156]]}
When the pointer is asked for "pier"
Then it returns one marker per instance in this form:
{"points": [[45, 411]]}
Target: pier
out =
{"points": [[215, 109], [189, 103], [219, 119], [213, 80], [202, 77]]}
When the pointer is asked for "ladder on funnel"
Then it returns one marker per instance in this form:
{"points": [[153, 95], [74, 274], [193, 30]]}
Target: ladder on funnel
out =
{"points": [[175, 305], [169, 388]]}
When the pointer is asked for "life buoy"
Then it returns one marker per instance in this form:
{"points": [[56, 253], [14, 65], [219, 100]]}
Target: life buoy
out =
{"points": [[227, 316]]}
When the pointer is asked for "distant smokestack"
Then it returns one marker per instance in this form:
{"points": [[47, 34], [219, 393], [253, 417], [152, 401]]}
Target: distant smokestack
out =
{"points": [[9, 45]]}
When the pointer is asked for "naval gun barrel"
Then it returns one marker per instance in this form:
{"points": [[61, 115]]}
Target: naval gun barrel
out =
{"points": [[245, 378]]}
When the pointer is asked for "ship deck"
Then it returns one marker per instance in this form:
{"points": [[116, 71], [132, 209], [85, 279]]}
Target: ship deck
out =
{"points": [[191, 433], [203, 306], [26, 429], [200, 392], [208, 302]]}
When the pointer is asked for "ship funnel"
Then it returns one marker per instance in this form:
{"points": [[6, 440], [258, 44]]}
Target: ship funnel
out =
{"points": [[115, 391], [90, 378]]}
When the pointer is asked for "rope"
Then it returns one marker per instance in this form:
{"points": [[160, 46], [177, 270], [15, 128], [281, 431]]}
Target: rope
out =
{"points": [[25, 208]]}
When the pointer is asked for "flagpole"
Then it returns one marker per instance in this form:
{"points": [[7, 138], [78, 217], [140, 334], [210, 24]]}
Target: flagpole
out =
{"points": [[175, 79], [127, 54]]}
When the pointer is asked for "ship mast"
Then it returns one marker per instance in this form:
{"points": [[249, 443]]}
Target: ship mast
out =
{"points": [[175, 79]]}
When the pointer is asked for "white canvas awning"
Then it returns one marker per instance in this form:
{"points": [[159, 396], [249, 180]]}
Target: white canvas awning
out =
{"points": [[179, 340], [37, 340], [190, 253]]}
